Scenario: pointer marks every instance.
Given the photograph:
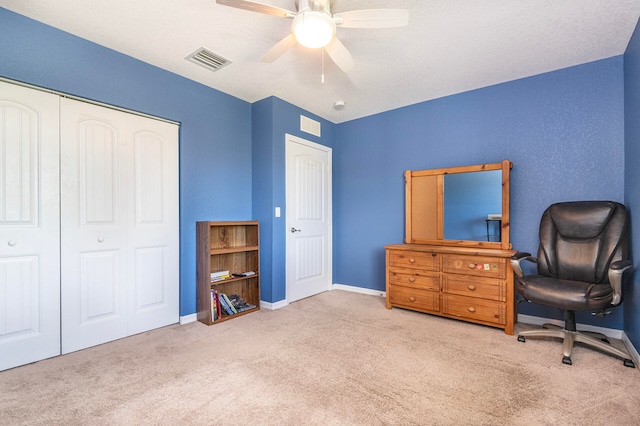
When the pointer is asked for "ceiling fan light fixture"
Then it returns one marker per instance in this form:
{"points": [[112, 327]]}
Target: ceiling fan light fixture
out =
{"points": [[313, 29]]}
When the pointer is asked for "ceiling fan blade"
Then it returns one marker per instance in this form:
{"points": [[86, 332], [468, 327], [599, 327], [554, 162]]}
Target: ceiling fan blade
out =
{"points": [[282, 46], [258, 7], [340, 55], [372, 18]]}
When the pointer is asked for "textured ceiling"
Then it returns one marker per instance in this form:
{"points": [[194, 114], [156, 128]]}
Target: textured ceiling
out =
{"points": [[450, 46]]}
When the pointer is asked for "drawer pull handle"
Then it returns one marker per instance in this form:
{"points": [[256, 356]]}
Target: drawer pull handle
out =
{"points": [[412, 260], [12, 243], [472, 266], [472, 287], [412, 299], [412, 280], [471, 309]]}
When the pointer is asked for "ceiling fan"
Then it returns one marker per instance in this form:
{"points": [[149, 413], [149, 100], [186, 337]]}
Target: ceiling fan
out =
{"points": [[315, 26]]}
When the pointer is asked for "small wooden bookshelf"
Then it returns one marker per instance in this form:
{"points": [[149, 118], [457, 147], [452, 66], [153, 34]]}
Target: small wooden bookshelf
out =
{"points": [[233, 247]]}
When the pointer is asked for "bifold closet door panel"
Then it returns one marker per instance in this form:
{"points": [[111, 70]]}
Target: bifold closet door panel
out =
{"points": [[29, 226], [119, 224], [93, 177], [153, 234]]}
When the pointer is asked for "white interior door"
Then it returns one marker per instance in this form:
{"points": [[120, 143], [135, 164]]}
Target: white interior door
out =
{"points": [[119, 240], [308, 214], [29, 226]]}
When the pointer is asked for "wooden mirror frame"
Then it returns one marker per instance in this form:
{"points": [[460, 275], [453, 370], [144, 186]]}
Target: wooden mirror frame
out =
{"points": [[424, 208]]}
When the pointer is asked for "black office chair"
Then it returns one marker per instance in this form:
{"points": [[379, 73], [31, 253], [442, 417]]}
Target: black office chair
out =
{"points": [[581, 265]]}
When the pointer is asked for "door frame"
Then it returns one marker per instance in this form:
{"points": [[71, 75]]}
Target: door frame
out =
{"points": [[290, 139]]}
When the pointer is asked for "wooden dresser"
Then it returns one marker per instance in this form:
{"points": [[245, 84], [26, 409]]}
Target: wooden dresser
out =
{"points": [[466, 276], [470, 284]]}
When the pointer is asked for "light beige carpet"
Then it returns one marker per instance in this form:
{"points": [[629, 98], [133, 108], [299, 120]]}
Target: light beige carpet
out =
{"points": [[338, 358]]}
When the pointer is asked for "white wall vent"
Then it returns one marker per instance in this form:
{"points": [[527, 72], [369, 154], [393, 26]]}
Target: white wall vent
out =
{"points": [[208, 59], [310, 126]]}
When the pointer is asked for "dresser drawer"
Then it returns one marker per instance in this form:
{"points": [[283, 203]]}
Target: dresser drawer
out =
{"points": [[416, 278], [493, 267], [474, 309], [414, 259], [413, 298], [485, 288]]}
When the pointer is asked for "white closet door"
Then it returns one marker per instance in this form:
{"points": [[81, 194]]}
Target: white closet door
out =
{"points": [[93, 239], [119, 224], [29, 226], [153, 231]]}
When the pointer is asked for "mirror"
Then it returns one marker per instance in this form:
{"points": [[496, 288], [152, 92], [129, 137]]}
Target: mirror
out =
{"points": [[461, 206], [470, 199]]}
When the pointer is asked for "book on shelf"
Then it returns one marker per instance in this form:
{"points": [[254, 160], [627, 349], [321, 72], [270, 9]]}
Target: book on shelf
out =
{"points": [[218, 306], [215, 280], [226, 299], [224, 304], [219, 275], [244, 274], [214, 305], [239, 304]]}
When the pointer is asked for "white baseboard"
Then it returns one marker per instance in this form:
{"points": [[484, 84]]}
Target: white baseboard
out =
{"points": [[188, 318], [273, 306], [632, 350], [283, 303], [360, 290]]}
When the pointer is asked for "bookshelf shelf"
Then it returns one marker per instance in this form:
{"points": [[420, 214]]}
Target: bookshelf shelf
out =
{"points": [[233, 250], [230, 280], [227, 246]]}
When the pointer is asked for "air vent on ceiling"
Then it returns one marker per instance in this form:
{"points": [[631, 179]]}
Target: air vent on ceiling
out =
{"points": [[208, 59]]}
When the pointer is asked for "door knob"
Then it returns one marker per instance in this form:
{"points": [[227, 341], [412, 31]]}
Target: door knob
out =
{"points": [[294, 229]]}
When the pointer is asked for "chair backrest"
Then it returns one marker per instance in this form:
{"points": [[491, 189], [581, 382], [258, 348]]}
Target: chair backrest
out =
{"points": [[579, 239]]}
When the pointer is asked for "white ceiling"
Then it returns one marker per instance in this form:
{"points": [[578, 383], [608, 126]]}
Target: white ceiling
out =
{"points": [[450, 46]]}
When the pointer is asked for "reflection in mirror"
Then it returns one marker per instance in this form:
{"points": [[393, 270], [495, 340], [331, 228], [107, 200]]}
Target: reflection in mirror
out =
{"points": [[469, 200]]}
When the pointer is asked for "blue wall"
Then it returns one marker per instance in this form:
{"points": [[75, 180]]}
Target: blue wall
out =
{"points": [[215, 130], [632, 180], [273, 118], [563, 131]]}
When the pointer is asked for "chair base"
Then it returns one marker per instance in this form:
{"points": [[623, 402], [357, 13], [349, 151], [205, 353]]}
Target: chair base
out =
{"points": [[569, 337]]}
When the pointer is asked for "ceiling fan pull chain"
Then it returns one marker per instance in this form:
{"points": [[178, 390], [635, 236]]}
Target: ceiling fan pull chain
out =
{"points": [[322, 53]]}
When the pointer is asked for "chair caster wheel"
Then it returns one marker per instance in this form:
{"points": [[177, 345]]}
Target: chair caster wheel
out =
{"points": [[566, 360], [629, 363], [521, 339]]}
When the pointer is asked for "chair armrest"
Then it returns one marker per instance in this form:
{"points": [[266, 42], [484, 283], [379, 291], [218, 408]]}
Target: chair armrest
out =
{"points": [[517, 258], [617, 271]]}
